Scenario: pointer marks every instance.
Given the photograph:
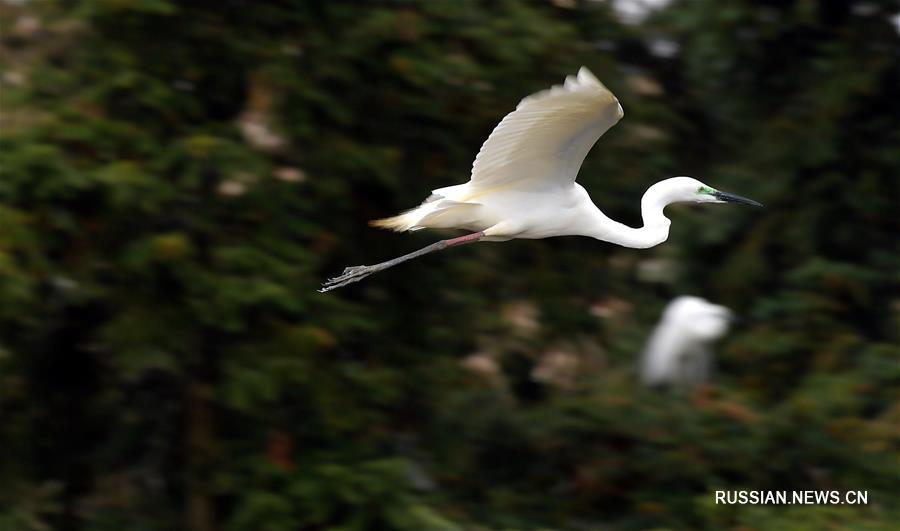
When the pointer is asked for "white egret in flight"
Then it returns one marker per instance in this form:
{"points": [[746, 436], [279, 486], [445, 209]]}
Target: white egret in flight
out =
{"points": [[523, 182], [679, 351]]}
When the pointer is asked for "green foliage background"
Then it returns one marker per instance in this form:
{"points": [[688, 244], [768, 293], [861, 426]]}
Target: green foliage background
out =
{"points": [[178, 177]]}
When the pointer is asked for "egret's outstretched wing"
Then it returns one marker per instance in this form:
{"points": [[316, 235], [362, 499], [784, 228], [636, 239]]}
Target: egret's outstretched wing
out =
{"points": [[548, 135]]}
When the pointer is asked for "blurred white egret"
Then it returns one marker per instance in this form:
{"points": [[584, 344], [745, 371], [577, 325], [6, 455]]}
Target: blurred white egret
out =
{"points": [[679, 352], [523, 182]]}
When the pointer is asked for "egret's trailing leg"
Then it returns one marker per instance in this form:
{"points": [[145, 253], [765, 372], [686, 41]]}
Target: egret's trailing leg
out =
{"points": [[357, 273]]}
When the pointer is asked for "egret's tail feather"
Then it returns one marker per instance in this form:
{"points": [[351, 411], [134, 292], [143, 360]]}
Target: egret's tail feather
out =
{"points": [[399, 223], [437, 212]]}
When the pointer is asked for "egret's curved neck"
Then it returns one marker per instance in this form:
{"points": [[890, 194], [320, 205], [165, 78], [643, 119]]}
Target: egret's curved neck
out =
{"points": [[656, 224]]}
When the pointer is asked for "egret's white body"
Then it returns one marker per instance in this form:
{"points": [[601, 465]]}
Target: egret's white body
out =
{"points": [[679, 351], [523, 181]]}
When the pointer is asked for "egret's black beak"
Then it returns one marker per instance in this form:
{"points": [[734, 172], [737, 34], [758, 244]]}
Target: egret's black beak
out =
{"points": [[732, 198]]}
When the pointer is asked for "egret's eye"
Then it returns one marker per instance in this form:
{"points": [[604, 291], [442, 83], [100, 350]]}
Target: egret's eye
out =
{"points": [[705, 190]]}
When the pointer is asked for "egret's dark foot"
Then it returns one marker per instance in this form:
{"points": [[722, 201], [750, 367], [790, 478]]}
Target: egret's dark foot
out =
{"points": [[349, 276]]}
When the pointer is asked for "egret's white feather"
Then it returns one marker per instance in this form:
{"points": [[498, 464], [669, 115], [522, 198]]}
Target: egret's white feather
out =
{"points": [[437, 212], [548, 135], [542, 142]]}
